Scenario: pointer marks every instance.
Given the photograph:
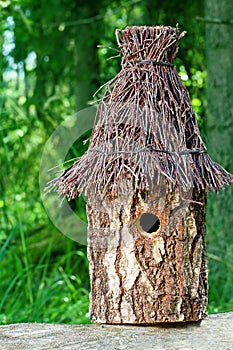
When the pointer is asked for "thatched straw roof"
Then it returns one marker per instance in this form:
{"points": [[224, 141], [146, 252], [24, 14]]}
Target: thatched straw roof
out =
{"points": [[146, 127]]}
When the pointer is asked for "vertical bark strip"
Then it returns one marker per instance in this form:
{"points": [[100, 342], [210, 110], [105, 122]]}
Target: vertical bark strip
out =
{"points": [[147, 278]]}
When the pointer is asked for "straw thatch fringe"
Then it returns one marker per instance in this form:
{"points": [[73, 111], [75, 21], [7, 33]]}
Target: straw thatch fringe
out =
{"points": [[146, 126]]}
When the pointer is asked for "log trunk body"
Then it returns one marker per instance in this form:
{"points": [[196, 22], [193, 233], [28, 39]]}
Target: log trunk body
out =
{"points": [[140, 277]]}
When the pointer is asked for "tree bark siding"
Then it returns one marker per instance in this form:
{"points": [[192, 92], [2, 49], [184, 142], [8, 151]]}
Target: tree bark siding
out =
{"points": [[146, 278]]}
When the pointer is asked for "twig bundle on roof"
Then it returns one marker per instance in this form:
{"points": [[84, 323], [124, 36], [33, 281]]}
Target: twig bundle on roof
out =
{"points": [[146, 127]]}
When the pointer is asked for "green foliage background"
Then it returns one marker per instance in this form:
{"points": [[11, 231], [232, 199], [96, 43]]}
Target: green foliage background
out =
{"points": [[50, 68]]}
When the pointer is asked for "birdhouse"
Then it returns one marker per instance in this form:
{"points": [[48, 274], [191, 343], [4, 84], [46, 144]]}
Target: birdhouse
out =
{"points": [[146, 174]]}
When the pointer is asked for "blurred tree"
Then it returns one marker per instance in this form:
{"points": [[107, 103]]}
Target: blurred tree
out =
{"points": [[219, 53], [219, 129], [86, 39]]}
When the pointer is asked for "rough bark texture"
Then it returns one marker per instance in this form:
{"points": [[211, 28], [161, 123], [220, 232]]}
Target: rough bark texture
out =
{"points": [[215, 333], [145, 278]]}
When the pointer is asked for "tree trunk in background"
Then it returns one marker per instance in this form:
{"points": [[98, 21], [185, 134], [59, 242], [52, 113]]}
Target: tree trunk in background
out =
{"points": [[86, 55], [219, 78], [219, 126]]}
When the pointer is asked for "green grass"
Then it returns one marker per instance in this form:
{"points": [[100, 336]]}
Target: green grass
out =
{"points": [[45, 281], [43, 274]]}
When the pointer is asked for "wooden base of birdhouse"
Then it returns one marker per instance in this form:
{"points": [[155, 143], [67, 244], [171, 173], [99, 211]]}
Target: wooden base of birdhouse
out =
{"points": [[147, 257]]}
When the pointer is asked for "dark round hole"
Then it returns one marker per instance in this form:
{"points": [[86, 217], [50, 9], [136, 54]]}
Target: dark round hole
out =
{"points": [[149, 222]]}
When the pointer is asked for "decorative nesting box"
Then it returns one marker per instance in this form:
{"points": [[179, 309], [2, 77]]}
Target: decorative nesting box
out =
{"points": [[146, 174]]}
